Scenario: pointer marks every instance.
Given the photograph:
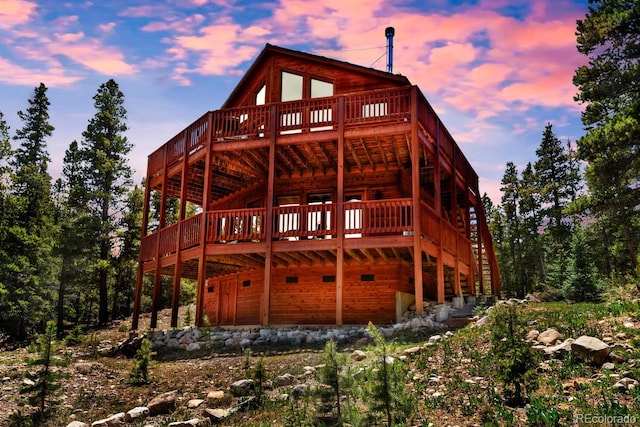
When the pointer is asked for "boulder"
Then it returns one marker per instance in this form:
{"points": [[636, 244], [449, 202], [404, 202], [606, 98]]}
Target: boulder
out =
{"points": [[533, 335], [549, 337], [113, 421], [241, 387], [591, 349], [214, 395], [410, 351], [358, 355], [135, 413], [194, 403], [284, 380], [163, 403], [194, 346], [217, 415]]}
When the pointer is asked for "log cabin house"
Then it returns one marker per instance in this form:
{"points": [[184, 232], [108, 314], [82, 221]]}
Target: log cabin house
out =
{"points": [[321, 193]]}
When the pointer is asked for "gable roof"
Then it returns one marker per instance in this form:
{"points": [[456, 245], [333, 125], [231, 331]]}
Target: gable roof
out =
{"points": [[271, 50]]}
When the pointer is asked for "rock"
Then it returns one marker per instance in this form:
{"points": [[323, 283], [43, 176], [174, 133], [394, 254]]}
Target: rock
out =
{"points": [[27, 382], [113, 421], [549, 337], [83, 367], [193, 346], [410, 351], [484, 320], [217, 415], [532, 298], [608, 366], [559, 349], [163, 403], [358, 355], [625, 384], [77, 424], [135, 413], [214, 395], [628, 324], [435, 338], [359, 374], [193, 422], [241, 387], [299, 390], [194, 403], [284, 380], [457, 302], [591, 349], [533, 335]]}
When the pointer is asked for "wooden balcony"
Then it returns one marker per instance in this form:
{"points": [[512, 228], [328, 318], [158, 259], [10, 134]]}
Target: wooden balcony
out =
{"points": [[252, 126], [302, 225]]}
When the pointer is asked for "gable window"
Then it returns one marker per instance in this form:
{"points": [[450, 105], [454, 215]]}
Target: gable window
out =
{"points": [[320, 89], [261, 95], [291, 87]]}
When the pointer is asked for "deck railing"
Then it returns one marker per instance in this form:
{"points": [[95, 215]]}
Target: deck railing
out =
{"points": [[361, 219]]}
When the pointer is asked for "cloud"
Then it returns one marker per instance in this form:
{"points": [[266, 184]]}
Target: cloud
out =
{"points": [[14, 74], [108, 27], [16, 12], [185, 25]]}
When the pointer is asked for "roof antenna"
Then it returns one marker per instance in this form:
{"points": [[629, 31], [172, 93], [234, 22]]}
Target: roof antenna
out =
{"points": [[389, 32]]}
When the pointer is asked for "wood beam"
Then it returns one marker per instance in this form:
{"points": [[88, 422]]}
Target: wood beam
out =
{"points": [[354, 155], [367, 153], [382, 153], [266, 290], [340, 211]]}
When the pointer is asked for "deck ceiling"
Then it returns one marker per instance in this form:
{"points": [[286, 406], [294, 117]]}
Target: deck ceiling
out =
{"points": [[237, 169]]}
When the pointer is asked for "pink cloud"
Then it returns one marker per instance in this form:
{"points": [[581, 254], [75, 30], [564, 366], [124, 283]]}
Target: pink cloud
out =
{"points": [[93, 55], [144, 11], [108, 27], [69, 37], [16, 12], [64, 22], [186, 25], [14, 74]]}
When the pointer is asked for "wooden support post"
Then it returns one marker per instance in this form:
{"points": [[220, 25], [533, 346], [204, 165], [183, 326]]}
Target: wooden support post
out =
{"points": [[340, 213], [206, 196], [137, 297], [438, 208], [269, 220], [157, 282], [415, 202], [177, 268]]}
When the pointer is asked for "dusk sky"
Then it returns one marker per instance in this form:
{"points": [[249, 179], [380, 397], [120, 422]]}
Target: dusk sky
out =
{"points": [[496, 71]]}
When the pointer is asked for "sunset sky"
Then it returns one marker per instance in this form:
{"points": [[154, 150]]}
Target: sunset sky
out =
{"points": [[496, 71]]}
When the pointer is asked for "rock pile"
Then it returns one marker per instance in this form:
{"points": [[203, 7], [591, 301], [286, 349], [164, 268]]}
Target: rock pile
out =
{"points": [[193, 338]]}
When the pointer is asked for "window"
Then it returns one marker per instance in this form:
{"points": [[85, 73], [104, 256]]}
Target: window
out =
{"points": [[320, 89], [291, 87], [261, 95], [289, 219]]}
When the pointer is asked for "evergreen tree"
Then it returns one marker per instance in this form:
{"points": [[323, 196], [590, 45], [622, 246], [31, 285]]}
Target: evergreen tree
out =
{"points": [[532, 252], [106, 178], [45, 383], [554, 174], [581, 282], [27, 274], [126, 261], [512, 232], [610, 87]]}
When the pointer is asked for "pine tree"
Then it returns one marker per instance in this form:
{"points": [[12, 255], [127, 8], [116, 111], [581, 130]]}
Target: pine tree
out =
{"points": [[532, 252], [335, 382], [609, 86], [386, 386], [106, 178], [28, 270], [513, 229], [581, 282], [554, 174], [45, 383]]}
